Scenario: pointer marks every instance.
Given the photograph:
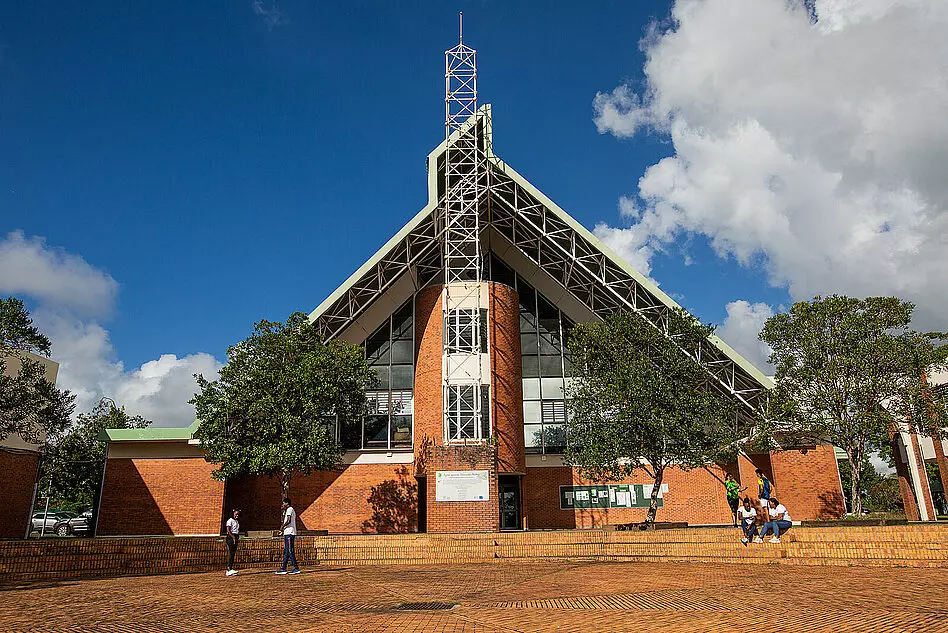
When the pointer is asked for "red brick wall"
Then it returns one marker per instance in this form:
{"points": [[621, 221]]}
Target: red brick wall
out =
{"points": [[506, 378], [429, 408], [160, 496], [808, 483], [361, 498], [463, 516], [695, 496], [17, 479]]}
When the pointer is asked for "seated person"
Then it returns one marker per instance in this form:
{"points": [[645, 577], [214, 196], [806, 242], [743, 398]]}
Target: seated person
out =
{"points": [[747, 515], [779, 522]]}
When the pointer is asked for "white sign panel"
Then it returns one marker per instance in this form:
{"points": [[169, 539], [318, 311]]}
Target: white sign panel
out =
{"points": [[462, 485]]}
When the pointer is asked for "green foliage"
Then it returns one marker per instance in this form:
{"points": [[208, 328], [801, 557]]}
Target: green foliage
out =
{"points": [[274, 408], [638, 402], [848, 370], [879, 493], [72, 466], [30, 405]]}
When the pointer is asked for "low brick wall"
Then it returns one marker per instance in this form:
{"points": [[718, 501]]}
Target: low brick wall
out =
{"points": [[919, 545]]}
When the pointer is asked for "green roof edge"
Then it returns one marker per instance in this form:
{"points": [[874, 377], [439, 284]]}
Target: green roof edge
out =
{"points": [[167, 434]]}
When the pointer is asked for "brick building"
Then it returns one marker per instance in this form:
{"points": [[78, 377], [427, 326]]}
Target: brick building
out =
{"points": [[19, 464], [464, 313]]}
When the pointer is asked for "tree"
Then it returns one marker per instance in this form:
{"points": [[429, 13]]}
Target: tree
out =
{"points": [[276, 406], [72, 466], [880, 493], [637, 402], [849, 371], [30, 405]]}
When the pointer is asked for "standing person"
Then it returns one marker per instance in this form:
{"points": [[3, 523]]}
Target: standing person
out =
{"points": [[289, 537], [233, 536], [764, 491], [733, 491], [748, 517], [779, 521]]}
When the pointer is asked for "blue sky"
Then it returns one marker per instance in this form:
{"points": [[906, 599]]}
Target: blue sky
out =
{"points": [[225, 162]]}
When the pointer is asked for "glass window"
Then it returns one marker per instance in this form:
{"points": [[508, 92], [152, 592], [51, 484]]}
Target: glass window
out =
{"points": [[543, 329], [533, 438], [552, 388], [402, 377], [462, 413], [401, 431], [551, 365], [485, 411], [390, 351], [376, 431], [530, 366], [403, 352]]}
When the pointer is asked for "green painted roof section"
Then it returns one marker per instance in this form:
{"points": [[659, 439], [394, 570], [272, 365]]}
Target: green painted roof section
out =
{"points": [[166, 434], [645, 282]]}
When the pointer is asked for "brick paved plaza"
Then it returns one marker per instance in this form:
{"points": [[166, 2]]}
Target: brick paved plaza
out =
{"points": [[496, 597]]}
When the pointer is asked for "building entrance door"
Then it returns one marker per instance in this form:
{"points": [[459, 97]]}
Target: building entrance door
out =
{"points": [[509, 502]]}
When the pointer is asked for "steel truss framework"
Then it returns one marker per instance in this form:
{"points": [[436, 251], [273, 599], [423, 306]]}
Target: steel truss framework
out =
{"points": [[461, 245], [546, 238]]}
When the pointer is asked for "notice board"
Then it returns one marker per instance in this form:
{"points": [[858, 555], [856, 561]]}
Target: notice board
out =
{"points": [[462, 485], [605, 496]]}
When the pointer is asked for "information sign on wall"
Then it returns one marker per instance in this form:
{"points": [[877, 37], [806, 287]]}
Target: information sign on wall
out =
{"points": [[462, 485], [608, 496]]}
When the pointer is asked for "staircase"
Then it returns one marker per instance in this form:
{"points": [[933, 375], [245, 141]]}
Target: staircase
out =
{"points": [[913, 545]]}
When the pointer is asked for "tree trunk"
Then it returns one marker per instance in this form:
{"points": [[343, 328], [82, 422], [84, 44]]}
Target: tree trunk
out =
{"points": [[854, 487], [286, 478], [653, 501]]}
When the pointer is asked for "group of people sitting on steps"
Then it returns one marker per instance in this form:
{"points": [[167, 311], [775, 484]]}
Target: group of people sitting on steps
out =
{"points": [[772, 513]]}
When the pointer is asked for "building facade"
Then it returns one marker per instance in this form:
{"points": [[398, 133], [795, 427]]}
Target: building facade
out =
{"points": [[19, 464], [464, 314]]}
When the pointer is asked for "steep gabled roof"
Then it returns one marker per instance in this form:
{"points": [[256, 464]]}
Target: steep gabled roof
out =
{"points": [[546, 235]]}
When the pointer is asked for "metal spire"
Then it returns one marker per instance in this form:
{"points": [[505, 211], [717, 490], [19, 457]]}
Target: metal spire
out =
{"points": [[462, 251]]}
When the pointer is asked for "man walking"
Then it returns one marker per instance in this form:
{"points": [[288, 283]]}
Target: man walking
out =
{"points": [[289, 538], [233, 536]]}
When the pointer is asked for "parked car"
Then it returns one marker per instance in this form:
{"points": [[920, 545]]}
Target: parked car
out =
{"points": [[72, 523], [52, 518]]}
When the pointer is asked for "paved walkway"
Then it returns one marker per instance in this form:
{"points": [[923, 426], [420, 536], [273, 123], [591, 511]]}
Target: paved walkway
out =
{"points": [[494, 598]]}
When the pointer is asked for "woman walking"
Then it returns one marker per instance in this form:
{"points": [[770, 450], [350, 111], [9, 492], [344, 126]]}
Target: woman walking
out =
{"points": [[233, 535]]}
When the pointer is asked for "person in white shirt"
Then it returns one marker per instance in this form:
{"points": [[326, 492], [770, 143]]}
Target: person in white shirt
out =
{"points": [[747, 515], [289, 538], [779, 521], [232, 528]]}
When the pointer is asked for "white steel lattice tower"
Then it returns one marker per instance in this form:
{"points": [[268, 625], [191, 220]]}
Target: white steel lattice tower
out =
{"points": [[462, 252]]}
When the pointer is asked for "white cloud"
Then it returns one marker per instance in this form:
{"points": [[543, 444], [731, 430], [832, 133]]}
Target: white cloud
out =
{"points": [[815, 149], [270, 13], [29, 266], [740, 329], [63, 286]]}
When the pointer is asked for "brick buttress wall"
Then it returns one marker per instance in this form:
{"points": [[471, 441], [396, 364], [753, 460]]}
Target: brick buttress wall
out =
{"points": [[17, 479], [807, 483], [160, 496], [506, 378], [360, 498]]}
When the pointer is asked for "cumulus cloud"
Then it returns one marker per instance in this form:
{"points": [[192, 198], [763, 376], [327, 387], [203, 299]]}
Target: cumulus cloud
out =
{"points": [[741, 326], [809, 139], [70, 294], [29, 266]]}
